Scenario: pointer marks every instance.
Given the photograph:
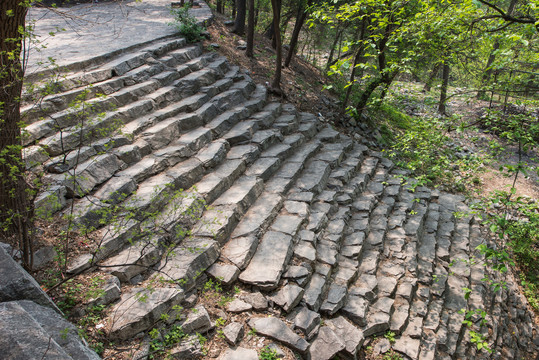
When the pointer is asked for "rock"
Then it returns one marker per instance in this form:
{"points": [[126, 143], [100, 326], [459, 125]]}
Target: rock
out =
{"points": [[267, 265], [43, 256], [239, 354], [237, 306], [326, 345], [407, 346], [348, 333], [356, 309], [241, 47], [233, 333], [305, 319], [256, 299], [382, 347], [215, 46], [288, 297], [274, 347], [189, 348], [139, 309], [110, 291], [226, 274], [276, 329], [17, 284], [31, 331], [198, 321]]}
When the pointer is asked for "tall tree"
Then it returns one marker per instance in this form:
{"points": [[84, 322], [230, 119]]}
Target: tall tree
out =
{"points": [[300, 20], [250, 29], [276, 83], [239, 22], [16, 205]]}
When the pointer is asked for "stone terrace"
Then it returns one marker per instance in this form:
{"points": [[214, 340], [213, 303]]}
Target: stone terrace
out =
{"points": [[312, 218]]}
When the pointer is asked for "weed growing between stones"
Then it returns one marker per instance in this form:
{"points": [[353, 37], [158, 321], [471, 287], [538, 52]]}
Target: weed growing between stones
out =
{"points": [[186, 24], [268, 353]]}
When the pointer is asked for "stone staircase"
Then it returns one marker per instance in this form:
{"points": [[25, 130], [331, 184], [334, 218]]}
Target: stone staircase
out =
{"points": [[180, 166]]}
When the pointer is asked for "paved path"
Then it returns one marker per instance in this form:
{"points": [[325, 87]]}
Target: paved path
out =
{"points": [[84, 32]]}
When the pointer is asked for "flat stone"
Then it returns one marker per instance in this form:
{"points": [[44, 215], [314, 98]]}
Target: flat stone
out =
{"points": [[305, 319], [239, 354], [356, 309], [407, 346], [226, 274], [386, 285], [377, 323], [400, 315], [240, 250], [335, 299], [305, 250], [277, 329], [348, 333], [237, 306], [233, 333], [313, 292], [267, 265], [365, 286], [288, 297], [256, 299], [188, 348], [326, 345], [139, 309], [287, 224], [198, 320], [110, 291], [381, 347], [297, 207], [185, 265]]}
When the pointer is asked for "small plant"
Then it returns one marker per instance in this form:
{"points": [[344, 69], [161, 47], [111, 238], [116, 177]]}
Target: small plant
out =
{"points": [[268, 353], [186, 24], [390, 335]]}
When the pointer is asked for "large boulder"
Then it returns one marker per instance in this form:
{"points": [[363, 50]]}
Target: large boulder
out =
{"points": [[17, 284]]}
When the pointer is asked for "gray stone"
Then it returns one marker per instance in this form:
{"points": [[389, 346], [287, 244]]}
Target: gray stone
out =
{"points": [[239, 354], [365, 286], [305, 250], [237, 306], [226, 274], [381, 347], [280, 354], [43, 256], [335, 299], [276, 329], [313, 292], [348, 333], [297, 207], [240, 250], [17, 284], [377, 323], [407, 346], [267, 265], [185, 264], [110, 291], [31, 331], [356, 309], [288, 297], [305, 319], [326, 345], [198, 320], [287, 224], [256, 299], [189, 348], [233, 333], [139, 309], [400, 315]]}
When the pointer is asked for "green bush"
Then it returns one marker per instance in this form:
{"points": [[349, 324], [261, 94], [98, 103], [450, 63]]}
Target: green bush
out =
{"points": [[186, 24]]}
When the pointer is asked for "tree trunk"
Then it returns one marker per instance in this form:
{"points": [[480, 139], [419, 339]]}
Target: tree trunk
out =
{"points": [[234, 9], [250, 29], [359, 53], [220, 6], [332, 51], [488, 71], [16, 205], [239, 23], [443, 90], [433, 73], [300, 20], [276, 83]]}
